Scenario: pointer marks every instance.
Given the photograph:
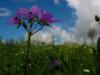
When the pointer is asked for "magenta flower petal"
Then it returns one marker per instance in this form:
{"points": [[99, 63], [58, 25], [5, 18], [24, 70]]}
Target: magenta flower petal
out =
{"points": [[56, 62], [33, 14], [47, 18], [35, 10], [29, 14], [15, 20], [22, 11], [53, 20]]}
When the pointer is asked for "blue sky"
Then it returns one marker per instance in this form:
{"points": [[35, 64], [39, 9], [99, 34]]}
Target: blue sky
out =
{"points": [[62, 11]]}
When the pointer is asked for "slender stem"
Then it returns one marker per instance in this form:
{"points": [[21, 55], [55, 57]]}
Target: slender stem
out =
{"points": [[35, 27], [26, 69], [37, 30], [30, 33], [30, 27]]}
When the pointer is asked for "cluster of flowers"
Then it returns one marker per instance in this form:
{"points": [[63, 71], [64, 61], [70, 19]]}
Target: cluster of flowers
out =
{"points": [[34, 14]]}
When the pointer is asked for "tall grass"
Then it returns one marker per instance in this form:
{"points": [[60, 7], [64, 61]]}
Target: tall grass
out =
{"points": [[72, 59]]}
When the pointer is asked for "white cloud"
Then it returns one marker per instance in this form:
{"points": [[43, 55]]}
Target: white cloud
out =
{"points": [[4, 12], [73, 3], [85, 11], [60, 36], [64, 35], [42, 36]]}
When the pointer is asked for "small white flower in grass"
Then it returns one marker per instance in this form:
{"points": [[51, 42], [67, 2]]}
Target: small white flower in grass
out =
{"points": [[86, 70], [30, 64]]}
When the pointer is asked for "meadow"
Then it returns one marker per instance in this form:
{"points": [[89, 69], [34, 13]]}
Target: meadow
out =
{"points": [[48, 59], [39, 58]]}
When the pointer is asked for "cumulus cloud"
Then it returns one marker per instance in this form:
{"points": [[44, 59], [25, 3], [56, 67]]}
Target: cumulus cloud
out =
{"points": [[60, 36], [4, 12], [85, 11], [64, 36], [42, 36], [73, 3]]}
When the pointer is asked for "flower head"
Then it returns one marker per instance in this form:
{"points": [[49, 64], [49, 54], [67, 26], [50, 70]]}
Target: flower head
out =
{"points": [[29, 14], [33, 15], [56, 62], [55, 65], [34, 10], [47, 18], [22, 12], [15, 20]]}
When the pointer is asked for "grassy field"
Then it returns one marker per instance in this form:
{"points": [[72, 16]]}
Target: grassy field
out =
{"points": [[67, 59]]}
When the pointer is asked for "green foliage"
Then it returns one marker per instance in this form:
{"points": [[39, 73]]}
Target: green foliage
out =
{"points": [[73, 59], [98, 57], [98, 46]]}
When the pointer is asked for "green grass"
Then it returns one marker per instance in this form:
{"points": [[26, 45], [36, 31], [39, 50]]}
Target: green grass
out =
{"points": [[73, 59]]}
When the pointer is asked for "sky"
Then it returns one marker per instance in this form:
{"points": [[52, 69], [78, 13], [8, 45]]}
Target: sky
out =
{"points": [[9, 7], [76, 17]]}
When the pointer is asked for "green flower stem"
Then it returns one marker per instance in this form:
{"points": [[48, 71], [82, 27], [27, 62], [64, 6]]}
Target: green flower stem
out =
{"points": [[33, 32], [27, 59], [30, 33], [35, 26], [98, 57]]}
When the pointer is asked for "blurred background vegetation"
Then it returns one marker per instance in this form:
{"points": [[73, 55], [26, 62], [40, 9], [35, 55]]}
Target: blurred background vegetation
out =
{"points": [[48, 59]]}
